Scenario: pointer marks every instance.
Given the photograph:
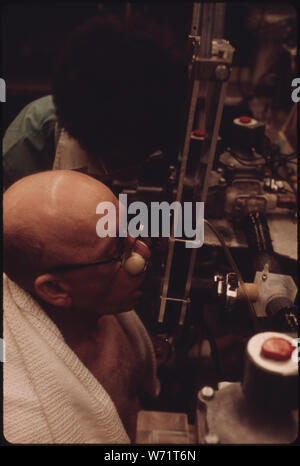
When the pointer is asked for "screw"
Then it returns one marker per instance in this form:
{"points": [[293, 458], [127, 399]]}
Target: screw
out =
{"points": [[222, 72], [207, 393], [265, 272]]}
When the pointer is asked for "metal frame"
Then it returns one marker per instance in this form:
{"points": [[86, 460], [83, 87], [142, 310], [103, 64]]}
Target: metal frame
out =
{"points": [[211, 60]]}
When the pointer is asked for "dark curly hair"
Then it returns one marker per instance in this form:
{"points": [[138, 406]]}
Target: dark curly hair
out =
{"points": [[119, 89]]}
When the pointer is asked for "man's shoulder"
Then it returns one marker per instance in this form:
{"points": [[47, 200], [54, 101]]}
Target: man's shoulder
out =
{"points": [[29, 141], [30, 122]]}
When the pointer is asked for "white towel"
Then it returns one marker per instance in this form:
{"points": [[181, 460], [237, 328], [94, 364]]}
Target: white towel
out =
{"points": [[49, 395]]}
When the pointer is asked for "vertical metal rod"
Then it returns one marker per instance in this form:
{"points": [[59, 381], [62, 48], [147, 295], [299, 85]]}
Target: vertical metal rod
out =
{"points": [[186, 148], [214, 140], [205, 51], [219, 20], [207, 25], [166, 280], [188, 284], [203, 196], [196, 19], [187, 142]]}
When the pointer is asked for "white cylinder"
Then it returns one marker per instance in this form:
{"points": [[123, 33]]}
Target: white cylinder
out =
{"points": [[135, 264], [267, 382]]}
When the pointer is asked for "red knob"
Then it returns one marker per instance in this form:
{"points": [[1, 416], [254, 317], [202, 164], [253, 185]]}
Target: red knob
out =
{"points": [[199, 132], [245, 119], [277, 349]]}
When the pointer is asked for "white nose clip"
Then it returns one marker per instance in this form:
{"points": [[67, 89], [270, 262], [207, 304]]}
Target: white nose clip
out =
{"points": [[135, 264]]}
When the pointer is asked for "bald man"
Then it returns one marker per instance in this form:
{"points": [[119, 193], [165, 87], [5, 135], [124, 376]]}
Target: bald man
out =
{"points": [[78, 359]]}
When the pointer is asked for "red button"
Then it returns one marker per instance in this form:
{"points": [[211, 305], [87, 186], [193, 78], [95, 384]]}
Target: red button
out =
{"points": [[277, 349], [199, 132], [245, 119]]}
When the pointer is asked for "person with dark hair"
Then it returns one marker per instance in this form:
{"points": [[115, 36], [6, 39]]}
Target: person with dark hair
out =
{"points": [[118, 93]]}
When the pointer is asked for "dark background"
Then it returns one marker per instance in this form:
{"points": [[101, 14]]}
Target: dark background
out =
{"points": [[32, 33]]}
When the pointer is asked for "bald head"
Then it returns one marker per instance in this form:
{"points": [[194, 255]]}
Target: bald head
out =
{"points": [[50, 219]]}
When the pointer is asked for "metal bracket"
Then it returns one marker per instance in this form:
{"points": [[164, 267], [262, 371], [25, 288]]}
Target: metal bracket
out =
{"points": [[270, 286]]}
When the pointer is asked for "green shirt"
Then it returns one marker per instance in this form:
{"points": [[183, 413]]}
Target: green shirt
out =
{"points": [[29, 142]]}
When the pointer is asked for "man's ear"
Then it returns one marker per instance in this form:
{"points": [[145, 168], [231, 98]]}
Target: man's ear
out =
{"points": [[53, 290]]}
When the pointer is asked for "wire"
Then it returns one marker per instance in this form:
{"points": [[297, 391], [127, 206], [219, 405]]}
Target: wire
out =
{"points": [[236, 270]]}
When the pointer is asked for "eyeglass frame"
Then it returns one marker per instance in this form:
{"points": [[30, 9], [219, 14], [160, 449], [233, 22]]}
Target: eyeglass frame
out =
{"points": [[63, 267]]}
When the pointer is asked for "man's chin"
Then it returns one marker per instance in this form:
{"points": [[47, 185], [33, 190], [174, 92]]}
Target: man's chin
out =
{"points": [[132, 302]]}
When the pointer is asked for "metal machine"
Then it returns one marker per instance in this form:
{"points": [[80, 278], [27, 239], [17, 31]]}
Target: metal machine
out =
{"points": [[199, 297]]}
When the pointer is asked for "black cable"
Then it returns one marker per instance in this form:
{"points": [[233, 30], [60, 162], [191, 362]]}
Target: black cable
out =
{"points": [[257, 233]]}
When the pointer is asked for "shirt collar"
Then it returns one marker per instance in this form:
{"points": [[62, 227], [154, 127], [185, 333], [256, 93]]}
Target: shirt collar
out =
{"points": [[69, 155]]}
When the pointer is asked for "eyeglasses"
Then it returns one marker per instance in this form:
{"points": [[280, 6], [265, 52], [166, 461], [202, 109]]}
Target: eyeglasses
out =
{"points": [[63, 267]]}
